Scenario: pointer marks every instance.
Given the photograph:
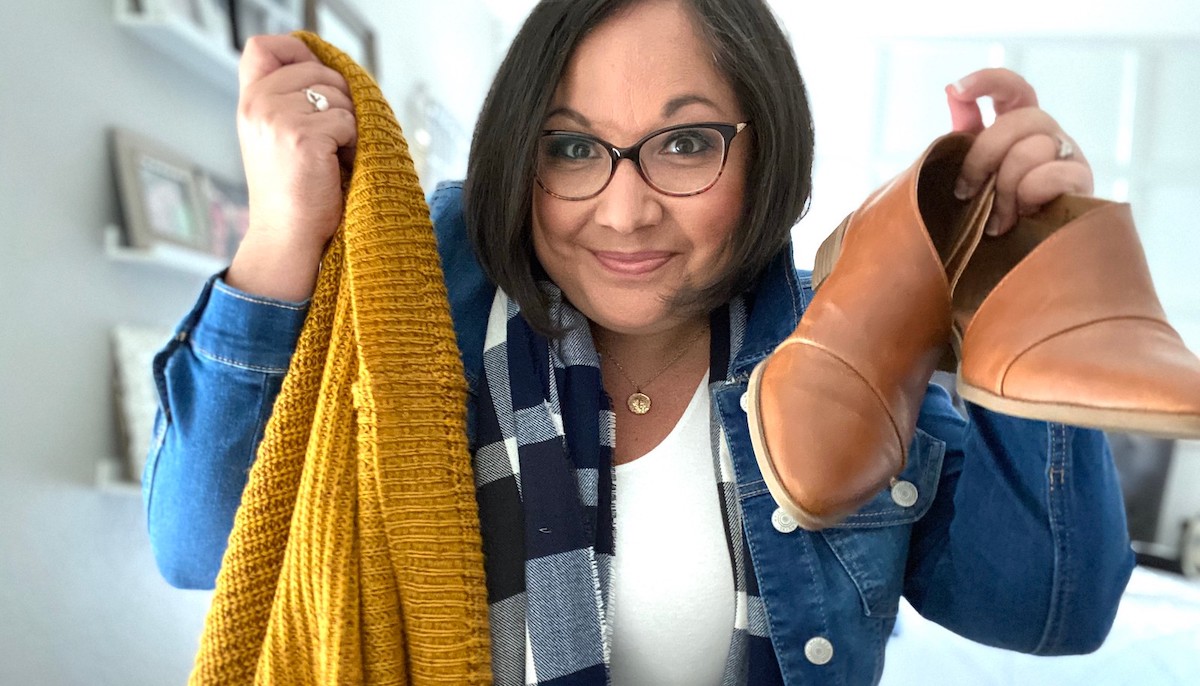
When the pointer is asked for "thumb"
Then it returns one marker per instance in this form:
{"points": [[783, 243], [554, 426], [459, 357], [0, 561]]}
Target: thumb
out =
{"points": [[964, 111]]}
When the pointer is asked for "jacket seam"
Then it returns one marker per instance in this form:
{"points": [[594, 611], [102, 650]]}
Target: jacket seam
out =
{"points": [[236, 363], [1056, 489], [228, 290], [151, 469]]}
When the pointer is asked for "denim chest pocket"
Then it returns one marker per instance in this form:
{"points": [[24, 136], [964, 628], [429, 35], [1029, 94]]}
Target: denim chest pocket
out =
{"points": [[872, 544]]}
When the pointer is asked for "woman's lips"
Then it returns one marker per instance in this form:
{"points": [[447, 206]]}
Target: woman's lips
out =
{"points": [[632, 263]]}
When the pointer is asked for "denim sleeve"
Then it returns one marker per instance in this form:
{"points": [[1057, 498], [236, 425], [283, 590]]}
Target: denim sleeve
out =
{"points": [[217, 380], [1025, 546]]}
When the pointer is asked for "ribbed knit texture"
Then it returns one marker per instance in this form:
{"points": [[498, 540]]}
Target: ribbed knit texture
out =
{"points": [[355, 556]]}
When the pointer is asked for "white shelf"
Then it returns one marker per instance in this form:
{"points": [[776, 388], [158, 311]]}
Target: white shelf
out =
{"points": [[111, 478], [161, 255], [176, 37]]}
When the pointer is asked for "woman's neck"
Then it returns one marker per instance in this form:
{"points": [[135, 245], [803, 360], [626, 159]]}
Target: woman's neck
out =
{"points": [[642, 356]]}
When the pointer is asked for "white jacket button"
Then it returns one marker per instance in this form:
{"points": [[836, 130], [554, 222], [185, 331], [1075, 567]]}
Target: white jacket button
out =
{"points": [[904, 494], [783, 522], [818, 650], [745, 402]]}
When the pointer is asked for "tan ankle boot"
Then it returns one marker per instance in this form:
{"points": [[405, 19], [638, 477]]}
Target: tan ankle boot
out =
{"points": [[1056, 320], [834, 408]]}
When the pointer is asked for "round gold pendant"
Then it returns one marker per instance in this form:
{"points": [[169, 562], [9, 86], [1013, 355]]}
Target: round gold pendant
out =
{"points": [[638, 403]]}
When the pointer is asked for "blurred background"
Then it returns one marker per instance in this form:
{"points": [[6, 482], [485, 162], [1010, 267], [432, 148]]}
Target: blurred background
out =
{"points": [[90, 280]]}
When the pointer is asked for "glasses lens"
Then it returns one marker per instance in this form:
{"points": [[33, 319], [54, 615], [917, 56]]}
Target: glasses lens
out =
{"points": [[684, 160], [572, 166]]}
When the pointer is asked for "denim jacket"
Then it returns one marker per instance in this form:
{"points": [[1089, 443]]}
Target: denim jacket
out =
{"points": [[1016, 537]]}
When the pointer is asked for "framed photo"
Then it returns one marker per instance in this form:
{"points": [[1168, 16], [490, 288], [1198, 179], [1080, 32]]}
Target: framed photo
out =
{"points": [[226, 206], [188, 10], [160, 198], [257, 17], [135, 395], [216, 21], [338, 22]]}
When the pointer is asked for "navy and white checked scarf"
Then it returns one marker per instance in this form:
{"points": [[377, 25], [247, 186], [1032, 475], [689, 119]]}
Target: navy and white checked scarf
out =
{"points": [[543, 472]]}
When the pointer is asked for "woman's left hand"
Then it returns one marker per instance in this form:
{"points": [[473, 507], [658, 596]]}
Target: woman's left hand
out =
{"points": [[1034, 160]]}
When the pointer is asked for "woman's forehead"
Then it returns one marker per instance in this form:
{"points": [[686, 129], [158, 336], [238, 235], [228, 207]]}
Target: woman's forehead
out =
{"points": [[641, 68]]}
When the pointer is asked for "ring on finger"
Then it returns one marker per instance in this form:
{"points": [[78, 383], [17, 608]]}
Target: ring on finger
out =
{"points": [[1066, 149], [319, 102]]}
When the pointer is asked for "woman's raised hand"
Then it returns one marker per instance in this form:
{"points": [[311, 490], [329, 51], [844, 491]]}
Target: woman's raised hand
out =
{"points": [[292, 152], [1034, 160]]}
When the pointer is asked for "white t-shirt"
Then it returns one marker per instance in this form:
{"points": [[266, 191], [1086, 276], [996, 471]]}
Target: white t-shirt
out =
{"points": [[672, 599]]}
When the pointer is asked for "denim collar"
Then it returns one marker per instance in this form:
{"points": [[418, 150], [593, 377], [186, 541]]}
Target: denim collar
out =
{"points": [[776, 303]]}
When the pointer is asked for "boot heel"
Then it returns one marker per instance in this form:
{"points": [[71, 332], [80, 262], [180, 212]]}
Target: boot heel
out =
{"points": [[828, 253]]}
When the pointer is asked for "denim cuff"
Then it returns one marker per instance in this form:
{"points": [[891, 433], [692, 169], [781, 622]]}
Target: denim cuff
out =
{"points": [[247, 331]]}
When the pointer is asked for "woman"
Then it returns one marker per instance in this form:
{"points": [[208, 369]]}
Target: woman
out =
{"points": [[676, 269]]}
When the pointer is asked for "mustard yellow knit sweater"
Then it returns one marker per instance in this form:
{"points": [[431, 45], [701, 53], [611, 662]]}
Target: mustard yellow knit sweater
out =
{"points": [[355, 556]]}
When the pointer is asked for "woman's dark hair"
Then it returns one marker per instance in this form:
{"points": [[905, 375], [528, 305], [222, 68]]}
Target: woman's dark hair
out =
{"points": [[749, 49]]}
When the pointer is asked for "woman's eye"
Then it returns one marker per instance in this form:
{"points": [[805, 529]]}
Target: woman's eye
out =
{"points": [[573, 149], [686, 143]]}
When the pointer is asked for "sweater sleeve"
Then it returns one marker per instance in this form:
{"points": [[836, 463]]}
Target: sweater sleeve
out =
{"points": [[217, 380], [1026, 545]]}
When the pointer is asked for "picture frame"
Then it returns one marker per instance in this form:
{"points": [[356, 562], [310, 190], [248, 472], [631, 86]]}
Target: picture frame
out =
{"points": [[226, 206], [211, 18], [186, 10], [135, 397], [338, 22], [216, 21], [258, 17], [159, 196]]}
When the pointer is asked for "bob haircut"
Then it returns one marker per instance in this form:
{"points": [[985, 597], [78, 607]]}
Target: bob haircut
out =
{"points": [[749, 49]]}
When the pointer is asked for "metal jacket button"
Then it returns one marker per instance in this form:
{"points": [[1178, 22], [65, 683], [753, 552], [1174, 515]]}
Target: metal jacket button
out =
{"points": [[783, 522], [818, 650], [904, 494], [745, 402]]}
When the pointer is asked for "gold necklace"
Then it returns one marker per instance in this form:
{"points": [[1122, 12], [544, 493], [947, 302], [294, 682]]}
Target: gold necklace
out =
{"points": [[638, 402]]}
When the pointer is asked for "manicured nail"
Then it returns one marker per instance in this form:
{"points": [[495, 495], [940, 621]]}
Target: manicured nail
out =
{"points": [[962, 190], [992, 228], [957, 86]]}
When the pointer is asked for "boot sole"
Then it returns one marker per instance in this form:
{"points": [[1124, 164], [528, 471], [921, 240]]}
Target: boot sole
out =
{"points": [[1125, 421]]}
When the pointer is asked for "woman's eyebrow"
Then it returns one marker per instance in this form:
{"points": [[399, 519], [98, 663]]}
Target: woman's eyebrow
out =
{"points": [[673, 105], [570, 114], [679, 102]]}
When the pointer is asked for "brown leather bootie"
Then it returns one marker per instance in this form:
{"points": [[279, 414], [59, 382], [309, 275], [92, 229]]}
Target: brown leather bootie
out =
{"points": [[1058, 320], [834, 408]]}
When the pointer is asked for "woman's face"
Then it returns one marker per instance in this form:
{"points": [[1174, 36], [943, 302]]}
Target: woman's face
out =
{"points": [[620, 256]]}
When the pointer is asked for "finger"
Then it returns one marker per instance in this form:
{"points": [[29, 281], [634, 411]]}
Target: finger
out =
{"points": [[1007, 89], [265, 54], [315, 134], [341, 127], [1050, 180], [1040, 185], [298, 100], [1023, 157], [964, 114], [992, 145], [297, 77]]}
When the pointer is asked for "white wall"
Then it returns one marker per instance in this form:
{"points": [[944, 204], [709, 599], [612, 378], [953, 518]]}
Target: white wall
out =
{"points": [[80, 599]]}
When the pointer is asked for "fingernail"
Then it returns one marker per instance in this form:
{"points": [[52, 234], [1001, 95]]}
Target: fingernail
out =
{"points": [[962, 190], [957, 86], [992, 228]]}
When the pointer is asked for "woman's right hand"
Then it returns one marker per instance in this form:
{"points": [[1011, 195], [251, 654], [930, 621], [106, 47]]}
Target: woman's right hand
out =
{"points": [[292, 155]]}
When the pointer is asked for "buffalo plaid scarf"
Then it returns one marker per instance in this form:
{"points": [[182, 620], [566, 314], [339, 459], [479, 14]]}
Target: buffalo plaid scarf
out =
{"points": [[543, 472]]}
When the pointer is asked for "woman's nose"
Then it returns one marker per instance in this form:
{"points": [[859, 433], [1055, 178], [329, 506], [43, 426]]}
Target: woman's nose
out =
{"points": [[628, 203]]}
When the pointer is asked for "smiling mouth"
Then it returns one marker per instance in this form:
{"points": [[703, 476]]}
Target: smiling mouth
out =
{"points": [[632, 264]]}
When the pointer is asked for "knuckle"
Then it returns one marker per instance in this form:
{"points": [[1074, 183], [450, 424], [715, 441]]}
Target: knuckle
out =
{"points": [[254, 46]]}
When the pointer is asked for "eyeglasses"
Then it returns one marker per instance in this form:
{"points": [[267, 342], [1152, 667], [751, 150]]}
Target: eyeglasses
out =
{"points": [[678, 161]]}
